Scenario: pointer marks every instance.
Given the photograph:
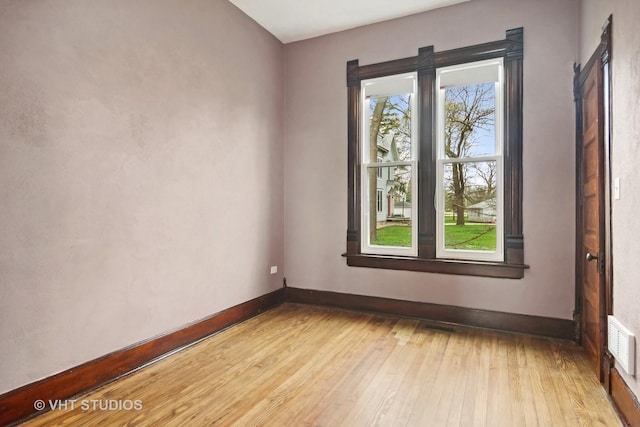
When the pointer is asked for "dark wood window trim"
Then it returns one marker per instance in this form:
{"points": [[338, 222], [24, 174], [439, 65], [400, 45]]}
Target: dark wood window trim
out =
{"points": [[425, 64]]}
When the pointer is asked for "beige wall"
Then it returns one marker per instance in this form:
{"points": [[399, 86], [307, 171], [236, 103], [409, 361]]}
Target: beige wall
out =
{"points": [[140, 173], [625, 151], [316, 155]]}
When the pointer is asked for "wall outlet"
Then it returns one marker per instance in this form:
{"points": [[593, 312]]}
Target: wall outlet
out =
{"points": [[274, 269]]}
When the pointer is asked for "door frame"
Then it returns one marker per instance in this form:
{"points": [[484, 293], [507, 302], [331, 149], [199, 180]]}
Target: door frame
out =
{"points": [[601, 57]]}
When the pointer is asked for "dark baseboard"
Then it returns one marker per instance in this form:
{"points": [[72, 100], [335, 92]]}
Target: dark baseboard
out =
{"points": [[624, 400], [535, 325], [18, 404]]}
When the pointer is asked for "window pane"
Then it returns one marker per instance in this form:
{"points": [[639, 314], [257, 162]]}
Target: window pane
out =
{"points": [[470, 120], [390, 128], [470, 203], [390, 199]]}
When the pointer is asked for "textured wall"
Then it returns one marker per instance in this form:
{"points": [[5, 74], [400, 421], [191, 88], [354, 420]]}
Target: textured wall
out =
{"points": [[625, 152], [140, 173], [316, 155]]}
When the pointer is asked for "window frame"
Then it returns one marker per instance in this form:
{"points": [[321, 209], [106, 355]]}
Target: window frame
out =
{"points": [[425, 64]]}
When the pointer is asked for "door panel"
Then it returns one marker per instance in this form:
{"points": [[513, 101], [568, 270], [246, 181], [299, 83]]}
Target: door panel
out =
{"points": [[591, 216]]}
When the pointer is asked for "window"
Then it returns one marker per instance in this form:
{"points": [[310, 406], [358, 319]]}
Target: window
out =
{"points": [[435, 161], [389, 157], [469, 110]]}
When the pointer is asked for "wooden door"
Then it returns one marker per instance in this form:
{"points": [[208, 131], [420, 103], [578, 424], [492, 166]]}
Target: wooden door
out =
{"points": [[591, 214]]}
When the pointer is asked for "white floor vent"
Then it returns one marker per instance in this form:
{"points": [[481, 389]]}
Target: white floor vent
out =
{"points": [[622, 345]]}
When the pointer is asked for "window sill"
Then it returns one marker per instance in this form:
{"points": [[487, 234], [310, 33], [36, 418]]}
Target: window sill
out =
{"points": [[443, 266]]}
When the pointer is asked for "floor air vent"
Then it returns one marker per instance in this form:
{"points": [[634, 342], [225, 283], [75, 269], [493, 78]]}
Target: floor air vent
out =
{"points": [[622, 345]]}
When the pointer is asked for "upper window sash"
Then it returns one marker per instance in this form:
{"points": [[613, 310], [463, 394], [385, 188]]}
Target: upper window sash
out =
{"points": [[473, 73], [388, 86]]}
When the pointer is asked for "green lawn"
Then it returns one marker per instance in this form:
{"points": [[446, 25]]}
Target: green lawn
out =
{"points": [[471, 237], [394, 235]]}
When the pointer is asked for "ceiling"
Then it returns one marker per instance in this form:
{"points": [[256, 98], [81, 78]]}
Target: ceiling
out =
{"points": [[293, 20]]}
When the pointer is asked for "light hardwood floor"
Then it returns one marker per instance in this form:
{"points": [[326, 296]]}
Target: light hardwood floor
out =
{"points": [[299, 365]]}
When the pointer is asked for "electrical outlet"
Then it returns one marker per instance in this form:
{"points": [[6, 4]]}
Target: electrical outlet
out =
{"points": [[274, 269]]}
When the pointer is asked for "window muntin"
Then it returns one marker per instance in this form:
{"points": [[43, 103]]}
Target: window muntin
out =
{"points": [[469, 177], [389, 165]]}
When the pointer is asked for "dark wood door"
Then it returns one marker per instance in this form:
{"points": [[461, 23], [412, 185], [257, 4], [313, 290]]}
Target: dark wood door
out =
{"points": [[591, 260]]}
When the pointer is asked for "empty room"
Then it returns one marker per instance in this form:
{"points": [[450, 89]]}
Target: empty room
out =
{"points": [[329, 213]]}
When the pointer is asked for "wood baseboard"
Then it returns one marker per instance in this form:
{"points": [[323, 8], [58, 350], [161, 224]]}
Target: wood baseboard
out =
{"points": [[624, 400], [534, 325], [18, 404]]}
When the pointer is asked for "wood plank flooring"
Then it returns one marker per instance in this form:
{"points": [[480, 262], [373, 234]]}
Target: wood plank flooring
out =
{"points": [[300, 365]]}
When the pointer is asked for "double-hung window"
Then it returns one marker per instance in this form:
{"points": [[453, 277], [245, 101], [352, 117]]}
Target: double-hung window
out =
{"points": [[435, 161], [469, 184], [389, 160]]}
